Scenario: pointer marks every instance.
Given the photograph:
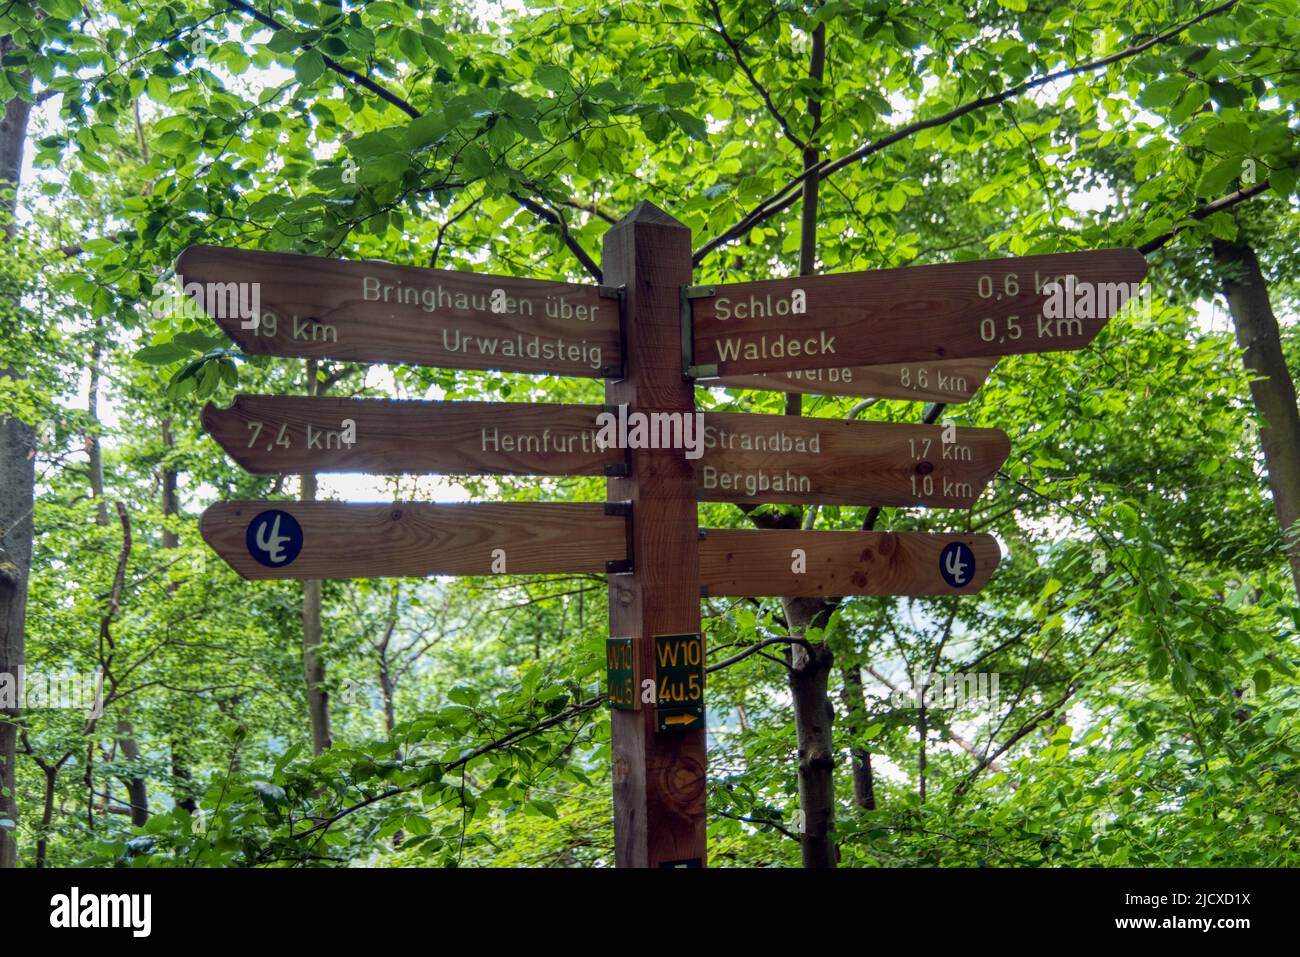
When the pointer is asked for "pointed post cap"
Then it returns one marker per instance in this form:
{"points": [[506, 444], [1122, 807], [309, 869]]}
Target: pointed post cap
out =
{"points": [[647, 213]]}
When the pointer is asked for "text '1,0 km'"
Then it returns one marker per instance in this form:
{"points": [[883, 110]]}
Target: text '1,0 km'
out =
{"points": [[736, 456], [991, 307], [309, 307]]}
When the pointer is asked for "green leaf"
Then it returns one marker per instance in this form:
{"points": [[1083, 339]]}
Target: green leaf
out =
{"points": [[1161, 92], [61, 9], [679, 94], [1282, 181], [164, 354], [309, 66], [272, 793], [545, 808], [282, 41], [553, 77], [693, 126], [1214, 181]]}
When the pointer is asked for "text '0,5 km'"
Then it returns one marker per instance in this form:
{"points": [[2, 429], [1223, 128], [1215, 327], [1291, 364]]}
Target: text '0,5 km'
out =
{"points": [[951, 311]]}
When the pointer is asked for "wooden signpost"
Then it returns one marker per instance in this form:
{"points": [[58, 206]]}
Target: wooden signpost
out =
{"points": [[312, 307], [414, 539], [742, 457], [945, 380], [778, 458], [930, 332], [275, 434], [748, 562], [291, 540], [915, 313]]}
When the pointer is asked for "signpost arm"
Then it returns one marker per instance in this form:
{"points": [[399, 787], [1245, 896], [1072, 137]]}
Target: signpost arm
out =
{"points": [[659, 779]]}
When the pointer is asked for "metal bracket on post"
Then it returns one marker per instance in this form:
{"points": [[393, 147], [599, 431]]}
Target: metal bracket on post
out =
{"points": [[618, 469], [619, 293], [622, 566], [689, 369]]}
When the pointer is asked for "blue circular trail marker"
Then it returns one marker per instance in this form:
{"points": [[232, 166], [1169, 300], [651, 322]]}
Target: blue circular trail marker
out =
{"points": [[957, 564], [274, 538]]}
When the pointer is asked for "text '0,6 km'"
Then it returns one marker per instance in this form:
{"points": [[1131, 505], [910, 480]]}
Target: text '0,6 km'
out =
{"points": [[308, 306], [952, 311]]}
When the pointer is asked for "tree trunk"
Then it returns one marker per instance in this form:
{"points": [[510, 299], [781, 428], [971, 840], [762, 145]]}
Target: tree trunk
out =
{"points": [[182, 780], [137, 792], [318, 705], [814, 718], [47, 814], [17, 496], [386, 693], [93, 451], [169, 538], [387, 685], [810, 669], [135, 785], [1273, 391], [864, 788]]}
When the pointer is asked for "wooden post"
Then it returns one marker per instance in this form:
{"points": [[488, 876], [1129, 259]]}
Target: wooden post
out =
{"points": [[659, 778]]}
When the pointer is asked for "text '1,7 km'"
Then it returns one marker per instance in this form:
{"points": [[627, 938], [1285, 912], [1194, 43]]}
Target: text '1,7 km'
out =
{"points": [[928, 333], [738, 457]]}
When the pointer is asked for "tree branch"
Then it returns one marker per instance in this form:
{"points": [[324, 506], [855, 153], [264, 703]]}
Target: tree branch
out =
{"points": [[789, 194], [763, 822], [1209, 209], [556, 219], [380, 91], [753, 80], [756, 648]]}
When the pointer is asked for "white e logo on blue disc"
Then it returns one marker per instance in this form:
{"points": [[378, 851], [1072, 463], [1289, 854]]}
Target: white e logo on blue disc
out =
{"points": [[274, 538], [957, 564]]}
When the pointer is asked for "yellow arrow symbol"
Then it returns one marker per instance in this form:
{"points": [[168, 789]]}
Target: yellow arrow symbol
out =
{"points": [[681, 719]]}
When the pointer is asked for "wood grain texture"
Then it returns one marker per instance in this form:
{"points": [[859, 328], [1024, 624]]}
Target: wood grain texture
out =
{"points": [[416, 539], [915, 313], [857, 463], [381, 312], [658, 780], [947, 380], [758, 562], [394, 437]]}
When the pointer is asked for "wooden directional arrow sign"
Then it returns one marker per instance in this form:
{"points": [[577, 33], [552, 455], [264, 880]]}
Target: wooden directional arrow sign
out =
{"points": [[743, 457], [759, 562], [946, 380], [309, 306], [269, 434], [413, 539], [919, 313], [779, 458], [318, 540]]}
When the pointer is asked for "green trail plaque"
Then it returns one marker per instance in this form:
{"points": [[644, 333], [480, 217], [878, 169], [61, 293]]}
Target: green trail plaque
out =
{"points": [[679, 682], [621, 669]]}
